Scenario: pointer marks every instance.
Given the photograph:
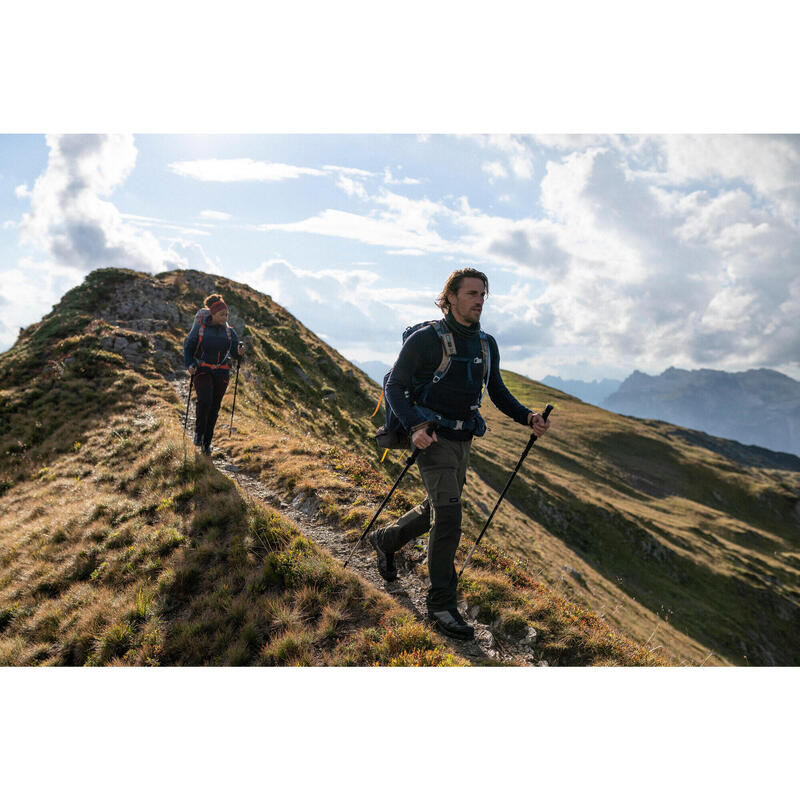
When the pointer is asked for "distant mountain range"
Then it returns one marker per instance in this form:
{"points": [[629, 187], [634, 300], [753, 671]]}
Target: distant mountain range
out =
{"points": [[594, 392], [759, 406], [375, 369]]}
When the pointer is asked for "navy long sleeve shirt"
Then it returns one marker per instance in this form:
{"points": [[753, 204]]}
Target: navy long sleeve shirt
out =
{"points": [[419, 358]]}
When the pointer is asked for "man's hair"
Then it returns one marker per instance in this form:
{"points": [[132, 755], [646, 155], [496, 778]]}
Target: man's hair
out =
{"points": [[454, 283]]}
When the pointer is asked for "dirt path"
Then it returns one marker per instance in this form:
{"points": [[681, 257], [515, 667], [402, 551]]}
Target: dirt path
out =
{"points": [[411, 585]]}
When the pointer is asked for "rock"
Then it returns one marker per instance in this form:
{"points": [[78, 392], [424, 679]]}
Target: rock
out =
{"points": [[303, 376], [120, 343], [484, 637], [530, 637]]}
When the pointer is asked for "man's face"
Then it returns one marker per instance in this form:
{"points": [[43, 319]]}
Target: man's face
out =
{"points": [[468, 303]]}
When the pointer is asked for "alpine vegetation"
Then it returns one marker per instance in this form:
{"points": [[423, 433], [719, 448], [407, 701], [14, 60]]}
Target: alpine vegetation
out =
{"points": [[618, 542]]}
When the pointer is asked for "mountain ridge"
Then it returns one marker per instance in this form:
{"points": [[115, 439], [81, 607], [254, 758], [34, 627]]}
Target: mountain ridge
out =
{"points": [[756, 407]]}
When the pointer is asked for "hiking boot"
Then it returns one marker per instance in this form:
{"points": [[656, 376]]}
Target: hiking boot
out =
{"points": [[206, 449], [451, 623], [386, 565], [198, 439]]}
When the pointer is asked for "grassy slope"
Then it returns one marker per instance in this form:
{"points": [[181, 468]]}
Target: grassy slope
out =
{"points": [[114, 552], [646, 521], [303, 425]]}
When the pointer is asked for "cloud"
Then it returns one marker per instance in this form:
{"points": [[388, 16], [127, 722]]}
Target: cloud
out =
{"points": [[29, 291], [351, 187], [390, 180], [22, 191], [154, 222], [363, 314], [392, 230], [516, 151], [190, 255], [215, 215], [352, 171], [239, 169], [69, 220], [495, 170], [654, 276]]}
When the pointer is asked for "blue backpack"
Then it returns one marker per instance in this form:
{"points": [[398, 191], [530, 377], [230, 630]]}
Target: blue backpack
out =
{"points": [[392, 435]]}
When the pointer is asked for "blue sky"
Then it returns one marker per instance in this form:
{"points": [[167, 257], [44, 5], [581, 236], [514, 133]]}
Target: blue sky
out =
{"points": [[605, 253]]}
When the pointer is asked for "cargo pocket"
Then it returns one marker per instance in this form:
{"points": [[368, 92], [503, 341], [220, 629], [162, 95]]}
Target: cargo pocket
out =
{"points": [[442, 486]]}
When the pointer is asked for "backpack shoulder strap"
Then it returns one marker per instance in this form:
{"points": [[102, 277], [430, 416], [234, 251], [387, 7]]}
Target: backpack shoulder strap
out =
{"points": [[487, 355], [448, 348], [486, 352], [200, 335]]}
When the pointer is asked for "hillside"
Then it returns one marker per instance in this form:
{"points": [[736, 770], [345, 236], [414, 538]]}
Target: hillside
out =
{"points": [[622, 541], [757, 407]]}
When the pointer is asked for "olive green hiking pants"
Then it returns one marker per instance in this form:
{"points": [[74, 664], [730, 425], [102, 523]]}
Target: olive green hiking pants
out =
{"points": [[443, 468]]}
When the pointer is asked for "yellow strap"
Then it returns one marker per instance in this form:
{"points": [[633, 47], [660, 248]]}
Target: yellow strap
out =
{"points": [[384, 455], [376, 409]]}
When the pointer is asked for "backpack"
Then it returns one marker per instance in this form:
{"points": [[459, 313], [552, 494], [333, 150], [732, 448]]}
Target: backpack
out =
{"points": [[203, 316], [392, 434]]}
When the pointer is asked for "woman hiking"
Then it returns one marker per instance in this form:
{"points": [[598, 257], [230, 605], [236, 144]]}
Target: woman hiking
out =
{"points": [[207, 356]]}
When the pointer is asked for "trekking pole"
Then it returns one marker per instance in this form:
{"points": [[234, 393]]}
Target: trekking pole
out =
{"points": [[188, 400], [409, 461], [545, 414], [186, 419], [235, 387]]}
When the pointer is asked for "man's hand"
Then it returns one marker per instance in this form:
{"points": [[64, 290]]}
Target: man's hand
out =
{"points": [[421, 440], [539, 424], [192, 369]]}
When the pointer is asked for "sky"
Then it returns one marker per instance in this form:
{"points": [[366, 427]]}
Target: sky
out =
{"points": [[605, 253]]}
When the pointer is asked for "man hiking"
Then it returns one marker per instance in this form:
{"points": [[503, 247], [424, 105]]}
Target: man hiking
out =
{"points": [[453, 402]]}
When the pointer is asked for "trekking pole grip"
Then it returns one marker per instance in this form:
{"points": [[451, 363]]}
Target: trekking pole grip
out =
{"points": [[430, 430]]}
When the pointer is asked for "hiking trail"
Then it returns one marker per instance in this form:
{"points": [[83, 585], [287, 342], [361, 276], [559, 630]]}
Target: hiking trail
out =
{"points": [[489, 645]]}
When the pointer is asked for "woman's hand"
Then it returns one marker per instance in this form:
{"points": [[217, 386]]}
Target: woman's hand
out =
{"points": [[192, 370], [539, 424]]}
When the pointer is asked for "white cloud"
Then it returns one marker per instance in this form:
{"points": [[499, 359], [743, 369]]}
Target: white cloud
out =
{"points": [[351, 187], [215, 215], [516, 151], [239, 169], [353, 171], [656, 276], [389, 230], [190, 255], [29, 291], [494, 169], [154, 222], [389, 179], [22, 191], [522, 166], [364, 314], [68, 218]]}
